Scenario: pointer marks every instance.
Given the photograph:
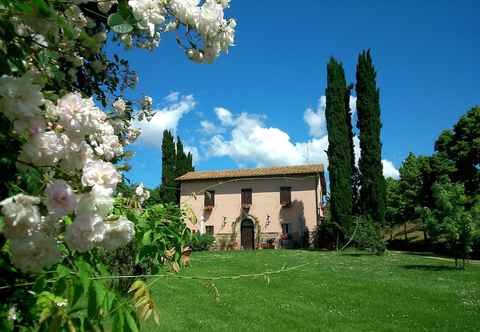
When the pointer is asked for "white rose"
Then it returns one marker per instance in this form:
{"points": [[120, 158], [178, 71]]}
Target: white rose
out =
{"points": [[118, 233], [99, 201], [60, 198], [44, 149], [33, 253], [119, 105], [22, 216], [20, 97], [85, 232], [100, 173]]}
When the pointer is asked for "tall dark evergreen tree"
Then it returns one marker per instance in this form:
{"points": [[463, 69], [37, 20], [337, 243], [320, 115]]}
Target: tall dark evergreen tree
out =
{"points": [[372, 182], [340, 145], [180, 159], [168, 187], [181, 164], [189, 163]]}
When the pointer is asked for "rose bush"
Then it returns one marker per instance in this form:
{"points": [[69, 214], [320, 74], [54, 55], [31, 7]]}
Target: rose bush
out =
{"points": [[64, 126]]}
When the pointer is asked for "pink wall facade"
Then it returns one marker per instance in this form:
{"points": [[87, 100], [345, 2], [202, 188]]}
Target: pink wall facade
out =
{"points": [[266, 211]]}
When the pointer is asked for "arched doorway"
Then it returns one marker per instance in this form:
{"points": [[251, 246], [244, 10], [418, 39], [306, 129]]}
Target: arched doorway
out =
{"points": [[247, 238]]}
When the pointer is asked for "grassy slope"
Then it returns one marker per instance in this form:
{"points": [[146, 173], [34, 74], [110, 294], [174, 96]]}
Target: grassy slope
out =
{"points": [[334, 293]]}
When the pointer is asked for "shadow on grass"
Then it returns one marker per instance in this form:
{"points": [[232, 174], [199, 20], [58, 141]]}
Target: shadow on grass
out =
{"points": [[430, 267], [358, 254]]}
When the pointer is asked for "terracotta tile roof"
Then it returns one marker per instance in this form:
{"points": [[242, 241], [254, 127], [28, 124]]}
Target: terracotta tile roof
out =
{"points": [[252, 172]]}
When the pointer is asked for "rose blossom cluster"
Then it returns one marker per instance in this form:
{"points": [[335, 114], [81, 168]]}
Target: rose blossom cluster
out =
{"points": [[206, 17], [142, 193], [74, 137]]}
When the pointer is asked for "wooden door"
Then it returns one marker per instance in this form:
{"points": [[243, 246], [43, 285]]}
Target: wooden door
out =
{"points": [[247, 234]]}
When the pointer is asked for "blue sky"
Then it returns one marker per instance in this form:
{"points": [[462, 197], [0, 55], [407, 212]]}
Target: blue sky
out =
{"points": [[425, 52]]}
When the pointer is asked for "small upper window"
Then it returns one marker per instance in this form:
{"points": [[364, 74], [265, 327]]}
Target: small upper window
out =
{"points": [[209, 201], [285, 195], [246, 197]]}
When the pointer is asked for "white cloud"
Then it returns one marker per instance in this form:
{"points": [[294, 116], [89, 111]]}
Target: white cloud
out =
{"points": [[353, 104], [224, 115], [209, 128], [194, 151], [167, 117], [315, 119], [389, 169], [172, 97], [251, 142]]}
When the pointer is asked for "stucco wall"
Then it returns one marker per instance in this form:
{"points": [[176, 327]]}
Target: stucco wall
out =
{"points": [[265, 208]]}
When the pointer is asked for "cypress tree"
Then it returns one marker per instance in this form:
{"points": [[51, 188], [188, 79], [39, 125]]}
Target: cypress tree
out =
{"points": [[180, 159], [189, 162], [180, 165], [372, 182], [340, 145], [168, 186]]}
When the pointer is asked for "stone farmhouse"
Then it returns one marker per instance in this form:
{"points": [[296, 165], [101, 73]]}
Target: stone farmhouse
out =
{"points": [[256, 208]]}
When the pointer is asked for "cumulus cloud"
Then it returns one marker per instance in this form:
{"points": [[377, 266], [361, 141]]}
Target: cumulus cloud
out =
{"points": [[251, 142], [224, 115], [209, 128], [315, 119], [194, 151], [389, 170], [172, 97], [167, 117]]}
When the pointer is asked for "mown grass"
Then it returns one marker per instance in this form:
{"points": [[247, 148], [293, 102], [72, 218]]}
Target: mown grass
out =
{"points": [[349, 292]]}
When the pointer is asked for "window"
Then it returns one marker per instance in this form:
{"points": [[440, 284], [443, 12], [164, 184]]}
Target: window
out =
{"points": [[285, 196], [246, 197], [209, 230], [209, 201]]}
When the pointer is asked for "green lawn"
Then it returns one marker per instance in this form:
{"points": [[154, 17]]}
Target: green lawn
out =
{"points": [[351, 292]]}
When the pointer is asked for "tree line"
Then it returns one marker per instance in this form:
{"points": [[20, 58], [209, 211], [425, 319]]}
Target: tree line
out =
{"points": [[440, 194], [175, 162]]}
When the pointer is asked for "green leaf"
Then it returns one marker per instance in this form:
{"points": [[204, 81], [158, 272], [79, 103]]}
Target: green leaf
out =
{"points": [[77, 293], [92, 301], [118, 321], [84, 274], [115, 19], [147, 238], [122, 28], [118, 24], [131, 323]]}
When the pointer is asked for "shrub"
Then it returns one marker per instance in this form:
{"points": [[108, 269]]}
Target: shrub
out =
{"points": [[368, 236], [325, 236], [201, 242]]}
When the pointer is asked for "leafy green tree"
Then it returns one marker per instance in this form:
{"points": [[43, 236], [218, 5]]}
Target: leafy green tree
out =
{"points": [[395, 204], [462, 146], [372, 182], [451, 220], [168, 187], [340, 145]]}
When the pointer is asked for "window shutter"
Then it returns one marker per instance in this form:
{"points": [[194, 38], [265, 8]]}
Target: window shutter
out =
{"points": [[246, 196], [209, 198], [285, 195]]}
